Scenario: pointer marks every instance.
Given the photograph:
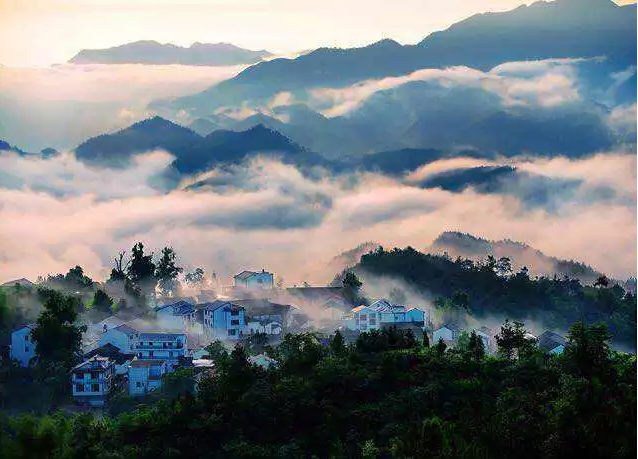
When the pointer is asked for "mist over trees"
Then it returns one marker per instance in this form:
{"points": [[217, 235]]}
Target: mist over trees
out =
{"points": [[487, 288]]}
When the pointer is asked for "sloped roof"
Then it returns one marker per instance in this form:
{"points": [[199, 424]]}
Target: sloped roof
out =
{"points": [[244, 275], [112, 352], [22, 282], [31, 325], [127, 330], [449, 326], [136, 363], [550, 340], [94, 363], [360, 308], [212, 305], [261, 306]]}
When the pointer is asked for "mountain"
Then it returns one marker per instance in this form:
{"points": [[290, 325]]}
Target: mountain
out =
{"points": [[6, 146], [152, 52], [464, 245], [144, 136], [192, 152], [559, 29]]}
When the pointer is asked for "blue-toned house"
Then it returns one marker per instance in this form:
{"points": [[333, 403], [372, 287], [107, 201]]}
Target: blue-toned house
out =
{"points": [[180, 315], [254, 280], [222, 320], [22, 345], [161, 345]]}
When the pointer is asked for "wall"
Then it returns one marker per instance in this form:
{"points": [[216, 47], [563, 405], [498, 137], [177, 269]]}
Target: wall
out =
{"points": [[22, 347]]}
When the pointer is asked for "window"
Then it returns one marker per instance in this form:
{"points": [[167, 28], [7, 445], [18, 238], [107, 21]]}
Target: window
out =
{"points": [[363, 316], [138, 384], [170, 353], [150, 343], [79, 387], [234, 313], [95, 387], [26, 348], [232, 332], [234, 322], [150, 354], [95, 375]]}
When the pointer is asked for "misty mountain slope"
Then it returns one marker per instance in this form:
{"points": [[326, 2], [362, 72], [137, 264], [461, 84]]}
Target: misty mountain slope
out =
{"points": [[152, 52], [226, 147], [144, 136], [560, 29], [193, 153], [464, 245], [551, 303]]}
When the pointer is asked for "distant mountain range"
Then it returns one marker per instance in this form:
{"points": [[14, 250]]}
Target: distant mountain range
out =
{"points": [[193, 152], [152, 52], [558, 29]]}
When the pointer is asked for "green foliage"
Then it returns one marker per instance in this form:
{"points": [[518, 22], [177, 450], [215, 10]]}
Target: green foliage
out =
{"points": [[57, 338], [337, 344], [141, 270], [102, 302], [351, 286], [383, 401], [492, 289], [167, 271]]}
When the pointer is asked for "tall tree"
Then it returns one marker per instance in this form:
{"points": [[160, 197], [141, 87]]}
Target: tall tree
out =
{"points": [[351, 286], [337, 344], [476, 347], [141, 269], [57, 337], [102, 302], [167, 271]]}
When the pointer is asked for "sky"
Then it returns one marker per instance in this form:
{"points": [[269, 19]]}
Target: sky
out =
{"points": [[46, 32]]}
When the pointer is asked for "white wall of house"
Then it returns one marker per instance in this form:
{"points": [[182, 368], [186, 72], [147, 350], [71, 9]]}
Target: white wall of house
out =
{"points": [[161, 346], [255, 327], [91, 384], [366, 318], [123, 341], [272, 328], [22, 346], [145, 378], [443, 333]]}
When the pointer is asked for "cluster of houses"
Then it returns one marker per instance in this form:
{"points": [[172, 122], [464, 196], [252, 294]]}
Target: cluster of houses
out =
{"points": [[134, 356]]}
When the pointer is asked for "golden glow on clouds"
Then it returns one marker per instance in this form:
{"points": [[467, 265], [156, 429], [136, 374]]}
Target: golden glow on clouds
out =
{"points": [[43, 32]]}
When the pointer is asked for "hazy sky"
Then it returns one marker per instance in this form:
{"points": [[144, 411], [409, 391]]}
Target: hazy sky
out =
{"points": [[44, 32]]}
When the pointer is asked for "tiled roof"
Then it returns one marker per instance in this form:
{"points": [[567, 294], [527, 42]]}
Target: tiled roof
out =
{"points": [[244, 275], [146, 363], [550, 340], [127, 330]]}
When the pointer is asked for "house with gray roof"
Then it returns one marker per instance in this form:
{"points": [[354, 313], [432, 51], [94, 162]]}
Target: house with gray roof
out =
{"points": [[551, 343]]}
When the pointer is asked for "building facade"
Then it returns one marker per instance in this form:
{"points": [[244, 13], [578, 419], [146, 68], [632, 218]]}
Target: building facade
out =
{"points": [[222, 320], [382, 313], [145, 376], [22, 346], [254, 280], [92, 381], [159, 345], [123, 337]]}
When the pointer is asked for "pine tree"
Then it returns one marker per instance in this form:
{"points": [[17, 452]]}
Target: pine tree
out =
{"points": [[167, 271]]}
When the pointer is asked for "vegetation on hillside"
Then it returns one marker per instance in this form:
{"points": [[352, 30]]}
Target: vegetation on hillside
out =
{"points": [[490, 288], [386, 396]]}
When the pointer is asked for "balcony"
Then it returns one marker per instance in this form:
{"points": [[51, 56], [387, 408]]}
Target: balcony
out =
{"points": [[158, 346]]}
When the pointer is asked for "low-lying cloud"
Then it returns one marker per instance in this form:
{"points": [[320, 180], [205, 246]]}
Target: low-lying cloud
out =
{"points": [[264, 214], [63, 105]]}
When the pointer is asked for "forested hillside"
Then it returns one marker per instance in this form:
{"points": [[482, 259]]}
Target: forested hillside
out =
{"points": [[491, 288], [386, 396]]}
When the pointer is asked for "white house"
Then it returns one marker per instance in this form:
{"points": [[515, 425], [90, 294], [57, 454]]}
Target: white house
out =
{"points": [[551, 343], [254, 279], [223, 320], [22, 345], [92, 381], [123, 337], [161, 345], [145, 376], [382, 313], [448, 332]]}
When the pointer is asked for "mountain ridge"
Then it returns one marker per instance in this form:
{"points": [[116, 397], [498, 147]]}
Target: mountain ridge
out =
{"points": [[155, 53]]}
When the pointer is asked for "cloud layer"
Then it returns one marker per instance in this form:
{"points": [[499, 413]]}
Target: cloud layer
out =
{"points": [[267, 214]]}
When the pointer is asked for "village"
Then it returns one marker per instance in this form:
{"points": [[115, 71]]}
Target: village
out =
{"points": [[133, 356]]}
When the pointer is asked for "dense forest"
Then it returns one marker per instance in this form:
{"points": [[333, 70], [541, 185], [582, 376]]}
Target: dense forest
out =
{"points": [[387, 395], [491, 288]]}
